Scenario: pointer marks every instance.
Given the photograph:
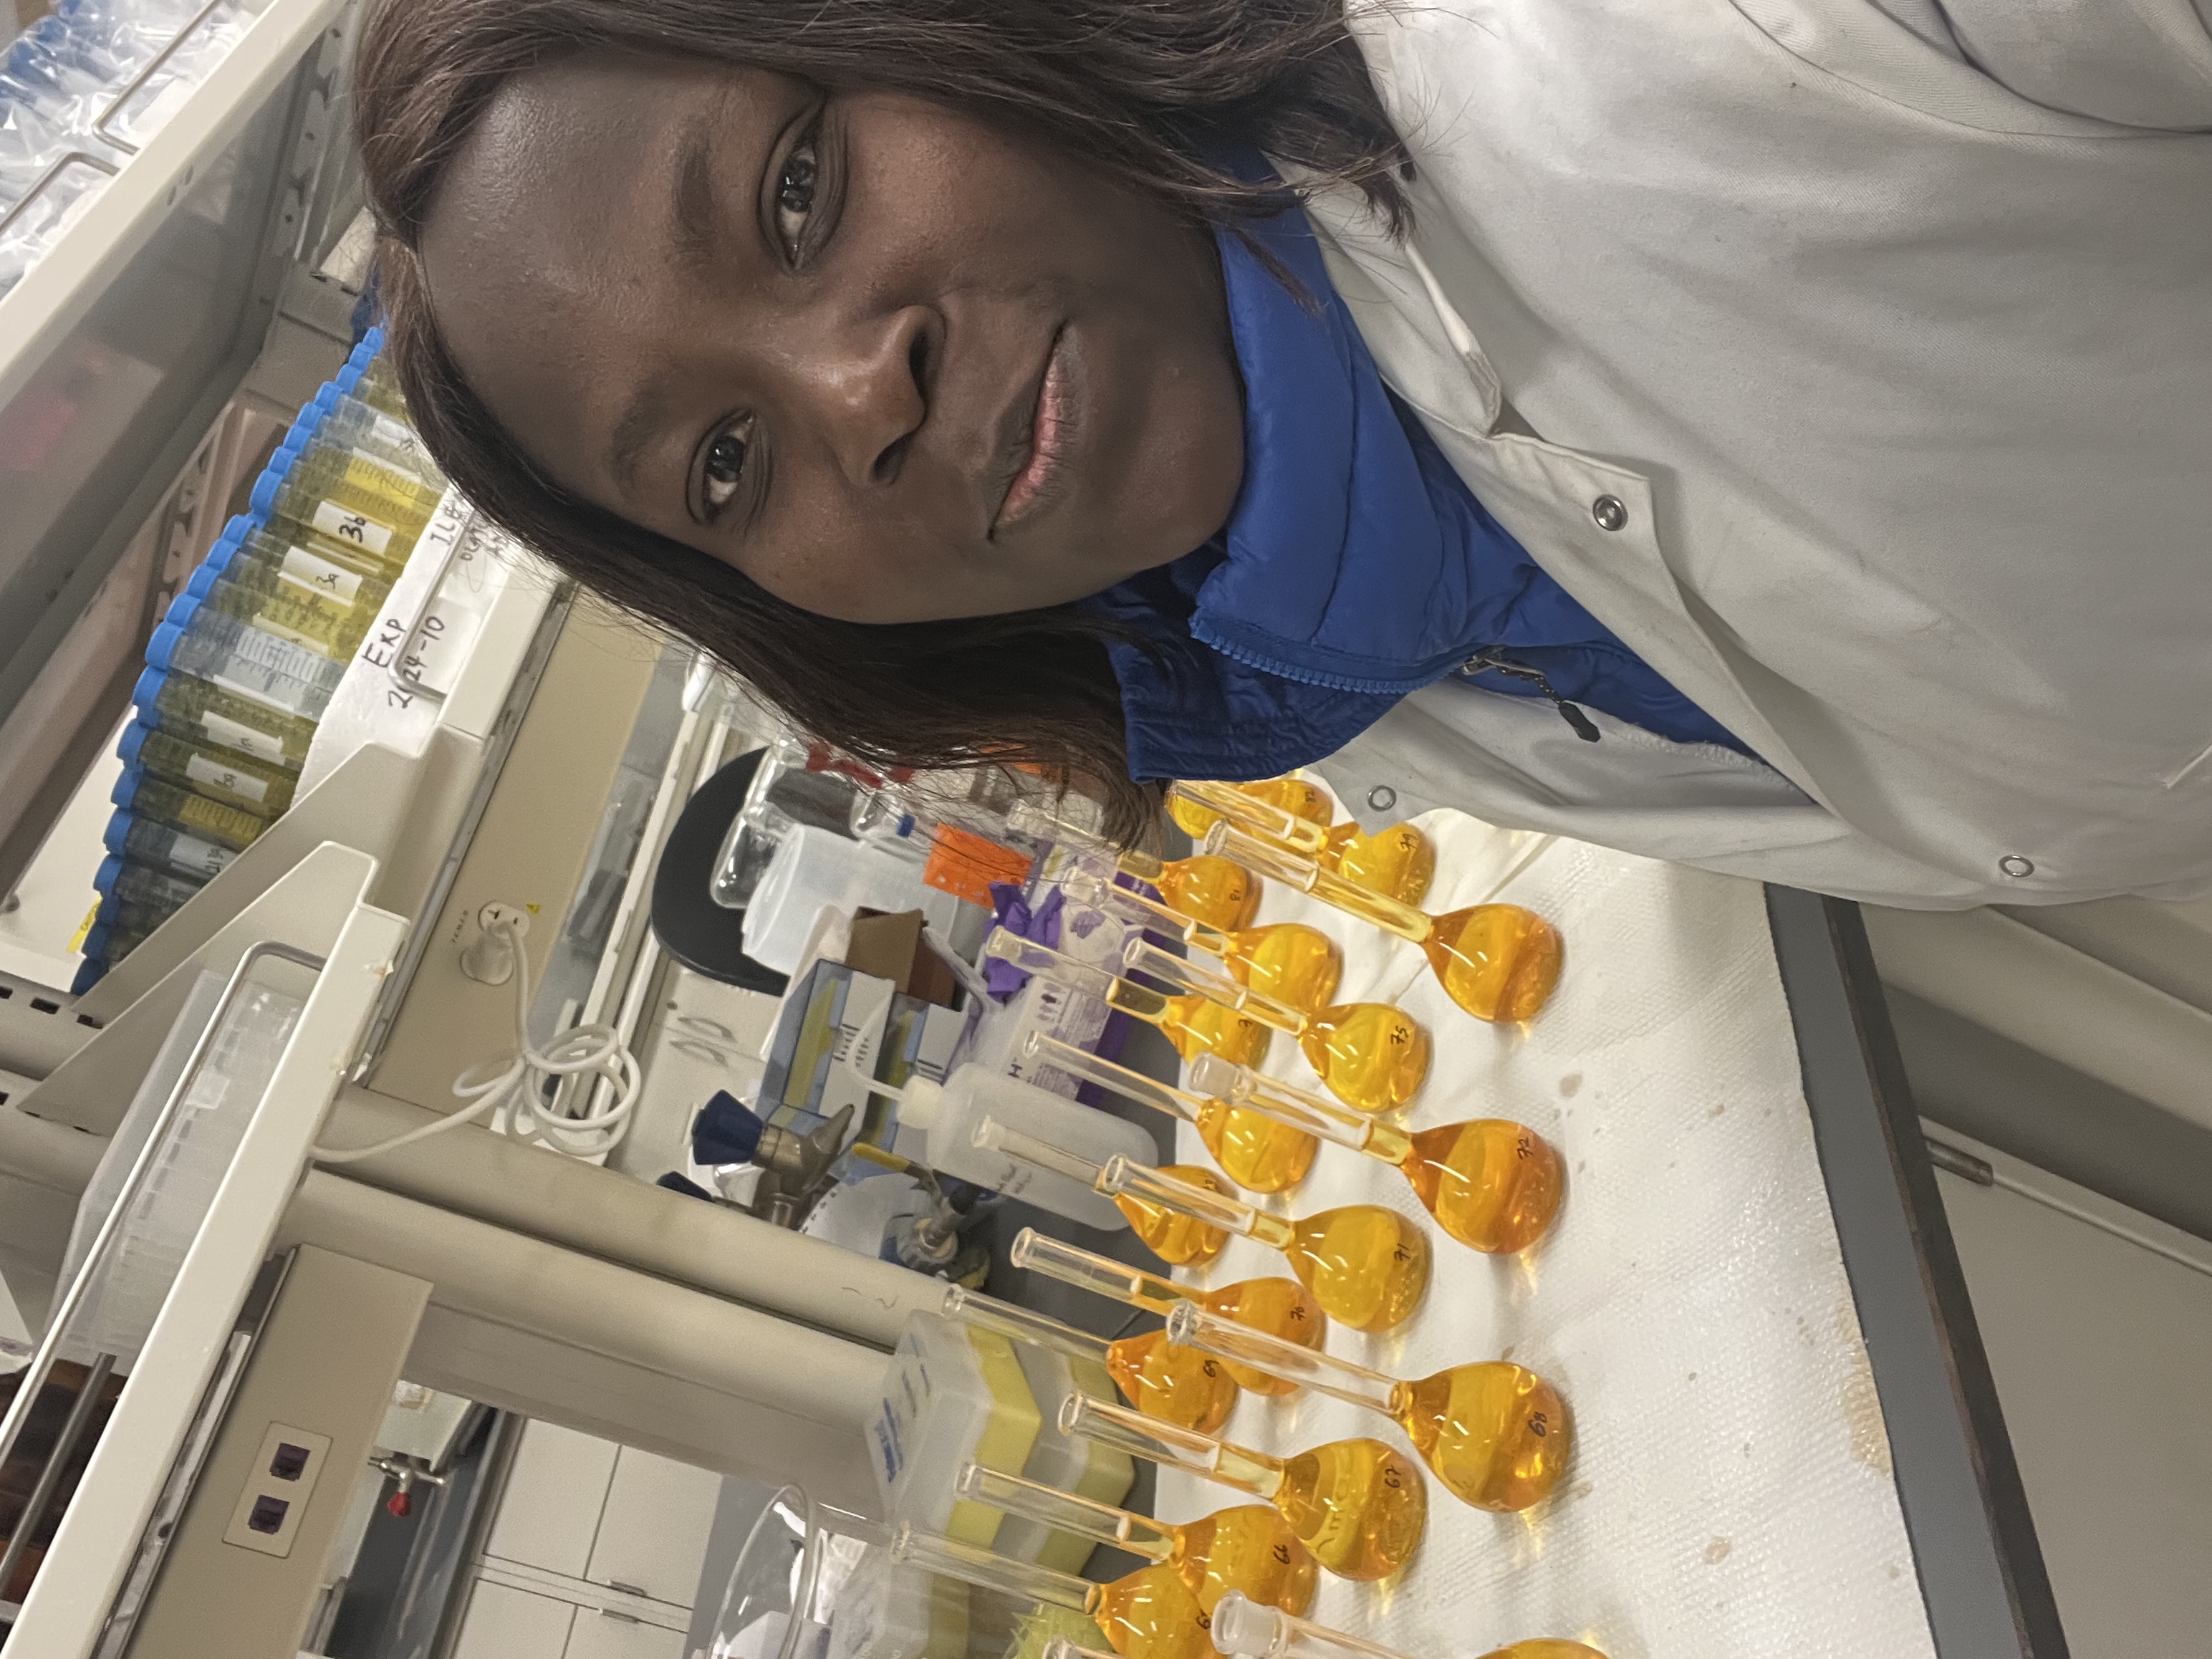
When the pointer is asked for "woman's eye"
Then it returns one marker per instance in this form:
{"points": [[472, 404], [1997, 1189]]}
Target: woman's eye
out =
{"points": [[725, 468], [795, 191]]}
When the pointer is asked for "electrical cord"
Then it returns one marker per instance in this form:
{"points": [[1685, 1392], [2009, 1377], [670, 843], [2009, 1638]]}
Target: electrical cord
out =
{"points": [[508, 1086]]}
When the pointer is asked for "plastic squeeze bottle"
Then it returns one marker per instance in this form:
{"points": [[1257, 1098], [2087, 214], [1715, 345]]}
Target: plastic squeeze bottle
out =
{"points": [[947, 1113]]}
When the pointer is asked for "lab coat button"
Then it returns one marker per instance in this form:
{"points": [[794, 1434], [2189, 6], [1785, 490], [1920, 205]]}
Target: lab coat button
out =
{"points": [[2016, 867], [1610, 512], [1381, 797]]}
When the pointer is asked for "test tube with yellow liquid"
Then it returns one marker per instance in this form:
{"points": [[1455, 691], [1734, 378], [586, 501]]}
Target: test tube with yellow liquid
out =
{"points": [[1366, 1265], [1194, 1024], [1295, 811], [355, 498], [1149, 1615], [1214, 890], [1260, 1153], [1499, 961], [1176, 1385], [1281, 1307], [1246, 1628], [1360, 1506], [1249, 1549], [1493, 1184], [1285, 960], [1495, 1433]]}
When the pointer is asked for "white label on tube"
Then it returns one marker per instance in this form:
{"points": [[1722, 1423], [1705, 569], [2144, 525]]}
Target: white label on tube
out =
{"points": [[318, 575], [234, 734], [198, 857], [292, 636], [395, 435], [358, 528], [206, 768], [265, 695]]}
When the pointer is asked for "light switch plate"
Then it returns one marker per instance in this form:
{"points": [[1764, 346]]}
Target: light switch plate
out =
{"points": [[278, 1485]]}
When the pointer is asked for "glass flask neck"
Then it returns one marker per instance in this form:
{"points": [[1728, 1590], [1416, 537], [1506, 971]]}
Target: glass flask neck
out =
{"points": [[1186, 1198], [1225, 841], [1137, 1533], [1022, 1324], [1190, 1326], [993, 1136], [1246, 1629], [1024, 1581], [1285, 1103], [1089, 887], [1135, 1085], [1124, 1430], [1141, 956], [1115, 1280], [1249, 812]]}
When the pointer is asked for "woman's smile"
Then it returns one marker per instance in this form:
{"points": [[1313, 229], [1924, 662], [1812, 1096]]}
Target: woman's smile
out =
{"points": [[1044, 440]]}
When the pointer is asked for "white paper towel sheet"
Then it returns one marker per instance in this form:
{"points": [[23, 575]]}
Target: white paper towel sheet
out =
{"points": [[1729, 1495]]}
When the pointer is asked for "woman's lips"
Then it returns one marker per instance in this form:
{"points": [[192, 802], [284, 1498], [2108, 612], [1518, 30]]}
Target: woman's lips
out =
{"points": [[1048, 428]]}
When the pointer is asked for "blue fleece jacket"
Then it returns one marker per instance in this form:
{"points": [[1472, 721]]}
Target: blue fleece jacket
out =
{"points": [[1356, 566]]}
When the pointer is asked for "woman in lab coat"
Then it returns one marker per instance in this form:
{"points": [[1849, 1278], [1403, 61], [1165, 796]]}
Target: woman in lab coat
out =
{"points": [[1768, 436]]}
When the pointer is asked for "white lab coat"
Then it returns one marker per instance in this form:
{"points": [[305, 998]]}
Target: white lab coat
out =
{"points": [[1884, 336]]}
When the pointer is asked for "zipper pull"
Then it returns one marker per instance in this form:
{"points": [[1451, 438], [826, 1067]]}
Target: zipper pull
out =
{"points": [[1491, 658]]}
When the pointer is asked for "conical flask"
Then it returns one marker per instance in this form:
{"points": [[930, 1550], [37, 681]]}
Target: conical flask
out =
{"points": [[1176, 1385], [1249, 1549], [1247, 1628], [1495, 1433], [1499, 961], [1493, 1184], [1149, 1615], [1360, 1505], [1194, 1022], [1281, 1307], [1260, 1153], [1289, 810], [1214, 890], [1367, 1266], [1285, 960]]}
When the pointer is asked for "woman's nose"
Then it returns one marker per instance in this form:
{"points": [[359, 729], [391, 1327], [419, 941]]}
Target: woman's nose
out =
{"points": [[871, 390]]}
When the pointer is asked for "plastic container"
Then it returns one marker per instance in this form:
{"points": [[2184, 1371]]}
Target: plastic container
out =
{"points": [[331, 627], [200, 709], [1067, 1462], [108, 944], [221, 774], [379, 387], [952, 1394], [813, 1582], [164, 802], [240, 658], [948, 1113], [352, 423], [189, 1164]]}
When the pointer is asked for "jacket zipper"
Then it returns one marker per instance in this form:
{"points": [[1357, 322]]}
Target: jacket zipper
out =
{"points": [[1493, 659]]}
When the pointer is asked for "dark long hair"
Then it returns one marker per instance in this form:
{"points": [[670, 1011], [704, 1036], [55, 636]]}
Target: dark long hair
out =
{"points": [[1144, 89]]}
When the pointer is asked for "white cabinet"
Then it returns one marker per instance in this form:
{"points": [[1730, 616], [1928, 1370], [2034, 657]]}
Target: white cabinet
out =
{"points": [[549, 1513], [652, 1531], [502, 1622], [598, 1636]]}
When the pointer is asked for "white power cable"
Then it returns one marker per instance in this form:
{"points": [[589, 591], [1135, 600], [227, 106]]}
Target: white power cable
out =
{"points": [[508, 1084]]}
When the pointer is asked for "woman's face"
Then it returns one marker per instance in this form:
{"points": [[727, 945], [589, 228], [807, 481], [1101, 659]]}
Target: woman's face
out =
{"points": [[893, 364]]}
